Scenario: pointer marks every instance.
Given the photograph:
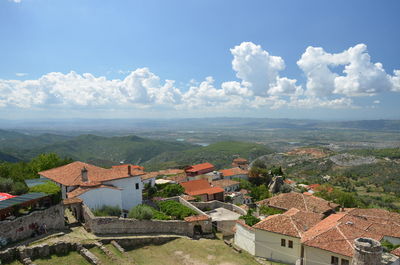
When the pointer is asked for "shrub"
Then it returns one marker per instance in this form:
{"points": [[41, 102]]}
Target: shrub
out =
{"points": [[48, 188], [6, 185], [19, 188], [249, 219], [141, 212], [171, 190], [265, 210], [175, 209], [107, 211]]}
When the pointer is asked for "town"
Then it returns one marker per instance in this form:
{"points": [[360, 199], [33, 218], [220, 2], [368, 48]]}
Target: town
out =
{"points": [[124, 204]]}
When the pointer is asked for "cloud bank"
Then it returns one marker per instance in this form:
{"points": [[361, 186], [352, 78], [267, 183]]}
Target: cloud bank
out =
{"points": [[333, 80]]}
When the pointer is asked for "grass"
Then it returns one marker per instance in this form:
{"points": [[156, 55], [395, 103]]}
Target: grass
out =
{"points": [[73, 258], [179, 251], [186, 251]]}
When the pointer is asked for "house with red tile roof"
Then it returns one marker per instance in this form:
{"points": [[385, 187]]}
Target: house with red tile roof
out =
{"points": [[96, 186], [278, 237], [203, 189], [199, 169], [240, 162], [235, 172], [309, 238], [127, 165], [332, 239], [226, 184], [303, 202]]}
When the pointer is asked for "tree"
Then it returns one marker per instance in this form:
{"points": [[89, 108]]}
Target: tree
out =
{"points": [[249, 219], [260, 193], [172, 190], [47, 161]]}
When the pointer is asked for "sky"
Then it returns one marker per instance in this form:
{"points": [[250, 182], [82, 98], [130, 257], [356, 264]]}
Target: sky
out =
{"points": [[199, 58]]}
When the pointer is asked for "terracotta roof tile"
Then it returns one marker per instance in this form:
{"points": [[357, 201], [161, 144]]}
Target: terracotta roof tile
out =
{"points": [[71, 174], [396, 252], [199, 167], [233, 172], [291, 223], [299, 201], [222, 183], [72, 200], [196, 218], [337, 232]]}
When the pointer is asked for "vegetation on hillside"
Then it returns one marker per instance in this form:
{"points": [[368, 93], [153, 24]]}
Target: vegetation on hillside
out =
{"points": [[12, 175], [219, 154]]}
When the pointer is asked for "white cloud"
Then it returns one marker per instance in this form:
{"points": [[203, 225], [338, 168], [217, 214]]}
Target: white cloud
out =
{"points": [[21, 74], [360, 77], [259, 85], [15, 1]]}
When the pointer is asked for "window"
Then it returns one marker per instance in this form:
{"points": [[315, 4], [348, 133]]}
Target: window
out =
{"points": [[283, 242], [290, 244], [137, 186], [334, 260], [345, 262]]}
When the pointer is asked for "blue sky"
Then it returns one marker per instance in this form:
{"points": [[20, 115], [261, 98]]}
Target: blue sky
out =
{"points": [[226, 58]]}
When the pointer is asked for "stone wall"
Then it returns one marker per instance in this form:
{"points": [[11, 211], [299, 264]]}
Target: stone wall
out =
{"points": [[206, 206], [24, 226], [117, 225]]}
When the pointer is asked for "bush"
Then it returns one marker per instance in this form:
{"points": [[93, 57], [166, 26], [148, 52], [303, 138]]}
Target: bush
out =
{"points": [[48, 188], [107, 211], [175, 209], [171, 190], [249, 219], [6, 185], [141, 212], [19, 188], [265, 210]]}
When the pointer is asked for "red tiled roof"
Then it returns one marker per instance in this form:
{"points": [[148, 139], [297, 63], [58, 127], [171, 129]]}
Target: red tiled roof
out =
{"points": [[288, 181], [337, 232], [72, 200], [196, 218], [166, 172], [396, 252], [199, 186], [198, 167], [81, 190], [239, 159], [71, 174], [126, 166], [222, 183], [291, 223], [233, 172], [285, 201]]}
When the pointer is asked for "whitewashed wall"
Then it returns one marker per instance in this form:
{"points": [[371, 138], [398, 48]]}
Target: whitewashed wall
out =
{"points": [[316, 256], [96, 198], [130, 195], [245, 238], [268, 245]]}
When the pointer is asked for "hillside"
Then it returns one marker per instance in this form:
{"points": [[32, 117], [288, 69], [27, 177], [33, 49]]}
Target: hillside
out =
{"points": [[109, 150], [220, 154]]}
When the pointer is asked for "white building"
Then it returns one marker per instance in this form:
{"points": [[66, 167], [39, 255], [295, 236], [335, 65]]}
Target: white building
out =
{"points": [[98, 186], [299, 237]]}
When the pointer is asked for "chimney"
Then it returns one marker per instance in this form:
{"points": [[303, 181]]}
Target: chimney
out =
{"points": [[129, 170], [367, 251], [84, 174]]}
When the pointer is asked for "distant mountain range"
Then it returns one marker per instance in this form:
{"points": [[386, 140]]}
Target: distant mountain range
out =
{"points": [[115, 126]]}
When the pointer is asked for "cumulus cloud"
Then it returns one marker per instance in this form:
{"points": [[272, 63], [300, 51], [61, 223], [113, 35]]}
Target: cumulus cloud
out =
{"points": [[360, 76], [21, 74], [333, 79]]}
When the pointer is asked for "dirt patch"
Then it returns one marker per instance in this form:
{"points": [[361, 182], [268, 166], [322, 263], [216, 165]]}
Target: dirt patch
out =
{"points": [[314, 152]]}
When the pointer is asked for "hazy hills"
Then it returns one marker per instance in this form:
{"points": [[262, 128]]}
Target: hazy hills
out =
{"points": [[106, 151]]}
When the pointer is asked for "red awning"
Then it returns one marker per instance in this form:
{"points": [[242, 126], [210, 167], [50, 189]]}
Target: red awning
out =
{"points": [[5, 196]]}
